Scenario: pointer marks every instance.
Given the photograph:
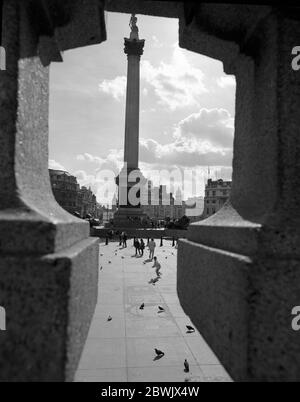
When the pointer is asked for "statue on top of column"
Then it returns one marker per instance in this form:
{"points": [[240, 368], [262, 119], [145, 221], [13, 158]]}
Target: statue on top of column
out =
{"points": [[134, 34]]}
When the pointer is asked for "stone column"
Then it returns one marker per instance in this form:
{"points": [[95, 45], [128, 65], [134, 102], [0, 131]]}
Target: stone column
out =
{"points": [[48, 263], [238, 271], [134, 50], [130, 214]]}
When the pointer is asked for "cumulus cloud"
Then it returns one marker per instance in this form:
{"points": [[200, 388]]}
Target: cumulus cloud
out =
{"points": [[112, 161], [156, 43], [210, 126], [55, 165], [177, 84], [115, 87], [202, 139], [90, 158], [226, 81]]}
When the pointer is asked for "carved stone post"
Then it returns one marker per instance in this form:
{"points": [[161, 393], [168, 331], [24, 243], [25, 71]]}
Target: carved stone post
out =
{"points": [[48, 263], [238, 271]]}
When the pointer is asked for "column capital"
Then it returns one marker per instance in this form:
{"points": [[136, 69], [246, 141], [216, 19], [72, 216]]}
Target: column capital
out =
{"points": [[134, 47]]}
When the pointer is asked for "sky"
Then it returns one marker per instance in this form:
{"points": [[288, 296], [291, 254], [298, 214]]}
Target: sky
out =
{"points": [[187, 108]]}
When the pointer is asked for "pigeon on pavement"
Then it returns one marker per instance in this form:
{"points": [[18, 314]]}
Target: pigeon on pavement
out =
{"points": [[159, 353], [186, 366], [142, 306], [109, 318], [190, 328], [161, 309]]}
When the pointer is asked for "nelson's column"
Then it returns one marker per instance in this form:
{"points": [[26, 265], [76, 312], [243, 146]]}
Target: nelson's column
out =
{"points": [[129, 213]]}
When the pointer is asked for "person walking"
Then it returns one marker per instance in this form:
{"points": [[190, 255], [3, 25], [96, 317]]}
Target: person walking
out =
{"points": [[124, 239], [157, 267], [137, 247], [142, 247], [151, 247]]}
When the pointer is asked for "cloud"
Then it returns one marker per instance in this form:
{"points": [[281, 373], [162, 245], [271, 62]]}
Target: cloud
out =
{"points": [[90, 158], [226, 81], [202, 139], [213, 126], [103, 188], [115, 87], [55, 165], [156, 43], [177, 84], [183, 153]]}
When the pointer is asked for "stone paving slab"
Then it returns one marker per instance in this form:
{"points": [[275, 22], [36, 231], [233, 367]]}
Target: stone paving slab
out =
{"points": [[122, 349]]}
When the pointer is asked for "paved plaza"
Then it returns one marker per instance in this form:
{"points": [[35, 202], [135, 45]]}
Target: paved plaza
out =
{"points": [[123, 349]]}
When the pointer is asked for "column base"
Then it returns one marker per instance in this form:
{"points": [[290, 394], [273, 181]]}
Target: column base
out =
{"points": [[129, 218]]}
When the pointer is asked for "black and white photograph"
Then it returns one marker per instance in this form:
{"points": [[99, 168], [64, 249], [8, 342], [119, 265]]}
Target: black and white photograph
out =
{"points": [[149, 194]]}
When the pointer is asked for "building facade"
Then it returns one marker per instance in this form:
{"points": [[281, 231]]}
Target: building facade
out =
{"points": [[158, 204], [217, 192], [71, 197], [65, 189]]}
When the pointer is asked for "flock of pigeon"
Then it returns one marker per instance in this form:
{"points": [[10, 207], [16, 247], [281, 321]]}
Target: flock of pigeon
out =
{"points": [[159, 353]]}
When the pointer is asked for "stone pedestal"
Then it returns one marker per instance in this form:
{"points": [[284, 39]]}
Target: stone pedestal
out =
{"points": [[48, 263], [129, 213]]}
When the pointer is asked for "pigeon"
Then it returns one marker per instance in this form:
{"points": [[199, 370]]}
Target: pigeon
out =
{"points": [[186, 366], [166, 258], [101, 255], [161, 309], [159, 353], [190, 329], [101, 268], [155, 280], [142, 306], [109, 318], [122, 258], [109, 262]]}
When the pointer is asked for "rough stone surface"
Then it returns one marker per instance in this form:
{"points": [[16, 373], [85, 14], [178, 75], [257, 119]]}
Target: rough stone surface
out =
{"points": [[247, 296], [48, 265], [261, 222], [213, 289], [49, 302]]}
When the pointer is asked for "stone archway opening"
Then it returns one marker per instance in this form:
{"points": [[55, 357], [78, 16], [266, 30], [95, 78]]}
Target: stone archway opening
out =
{"points": [[238, 260], [100, 331]]}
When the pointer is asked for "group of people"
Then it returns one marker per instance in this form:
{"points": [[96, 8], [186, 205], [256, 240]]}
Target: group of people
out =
{"points": [[123, 239], [139, 246], [139, 251]]}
